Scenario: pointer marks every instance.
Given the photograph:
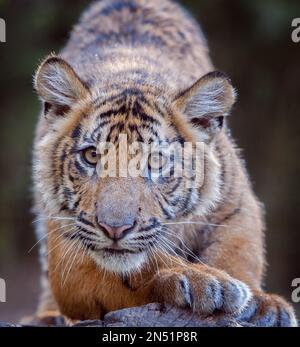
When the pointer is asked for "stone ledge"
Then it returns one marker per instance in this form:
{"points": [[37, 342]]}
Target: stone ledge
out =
{"points": [[154, 315]]}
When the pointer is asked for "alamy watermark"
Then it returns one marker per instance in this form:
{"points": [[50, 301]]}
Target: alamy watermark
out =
{"points": [[2, 30], [296, 291], [2, 290], [296, 31], [156, 161]]}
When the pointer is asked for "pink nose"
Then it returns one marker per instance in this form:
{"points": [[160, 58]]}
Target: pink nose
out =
{"points": [[115, 233]]}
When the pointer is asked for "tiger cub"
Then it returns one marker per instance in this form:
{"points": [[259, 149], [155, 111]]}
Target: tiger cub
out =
{"points": [[137, 74]]}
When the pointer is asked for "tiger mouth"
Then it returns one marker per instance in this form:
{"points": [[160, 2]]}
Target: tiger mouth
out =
{"points": [[120, 251], [116, 249]]}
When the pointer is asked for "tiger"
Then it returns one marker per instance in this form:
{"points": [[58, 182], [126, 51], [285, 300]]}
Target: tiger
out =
{"points": [[141, 69]]}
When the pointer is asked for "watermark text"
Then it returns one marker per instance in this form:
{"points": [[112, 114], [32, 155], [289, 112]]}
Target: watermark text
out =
{"points": [[296, 31], [2, 30], [296, 291], [2, 290], [155, 161]]}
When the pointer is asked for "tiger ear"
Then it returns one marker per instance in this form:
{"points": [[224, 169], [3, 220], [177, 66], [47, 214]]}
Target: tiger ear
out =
{"points": [[206, 102], [58, 85]]}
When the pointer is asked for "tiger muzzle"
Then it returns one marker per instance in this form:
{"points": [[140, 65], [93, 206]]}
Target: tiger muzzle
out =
{"points": [[117, 208]]}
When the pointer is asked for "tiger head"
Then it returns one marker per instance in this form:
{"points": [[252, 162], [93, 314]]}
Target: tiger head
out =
{"points": [[121, 219]]}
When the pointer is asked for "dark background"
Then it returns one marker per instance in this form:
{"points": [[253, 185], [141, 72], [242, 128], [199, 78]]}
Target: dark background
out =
{"points": [[249, 40]]}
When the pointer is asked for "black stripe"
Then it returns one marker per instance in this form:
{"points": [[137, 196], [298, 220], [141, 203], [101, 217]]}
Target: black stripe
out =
{"points": [[186, 208], [138, 112], [155, 107], [236, 211], [76, 132], [121, 96], [126, 283], [71, 178], [132, 37], [154, 132], [62, 161], [176, 186], [85, 231], [116, 99], [96, 134], [117, 6], [110, 113], [53, 164], [87, 242], [150, 227], [68, 193], [85, 221], [144, 237], [165, 212], [76, 203], [118, 126], [80, 168]]}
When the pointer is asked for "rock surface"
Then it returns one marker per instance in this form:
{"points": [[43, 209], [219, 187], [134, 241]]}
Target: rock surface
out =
{"points": [[154, 315]]}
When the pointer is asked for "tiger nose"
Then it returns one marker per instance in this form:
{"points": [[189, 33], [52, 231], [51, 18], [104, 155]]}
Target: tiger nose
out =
{"points": [[115, 232]]}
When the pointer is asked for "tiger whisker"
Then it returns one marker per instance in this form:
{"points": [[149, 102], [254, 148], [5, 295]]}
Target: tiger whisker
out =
{"points": [[79, 247], [53, 218], [65, 251], [176, 260], [187, 253], [48, 233], [60, 243], [191, 222], [174, 245], [188, 250], [72, 249], [156, 254], [163, 249]]}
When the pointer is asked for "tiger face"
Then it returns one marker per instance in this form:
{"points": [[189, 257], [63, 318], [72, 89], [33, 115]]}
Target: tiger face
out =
{"points": [[121, 218]]}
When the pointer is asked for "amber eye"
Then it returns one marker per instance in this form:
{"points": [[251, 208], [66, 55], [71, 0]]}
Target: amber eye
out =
{"points": [[156, 161], [90, 155]]}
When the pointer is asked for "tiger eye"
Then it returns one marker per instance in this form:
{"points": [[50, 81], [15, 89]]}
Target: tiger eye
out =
{"points": [[90, 155], [156, 161]]}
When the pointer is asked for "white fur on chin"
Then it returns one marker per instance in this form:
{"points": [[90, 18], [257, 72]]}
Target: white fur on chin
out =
{"points": [[119, 263]]}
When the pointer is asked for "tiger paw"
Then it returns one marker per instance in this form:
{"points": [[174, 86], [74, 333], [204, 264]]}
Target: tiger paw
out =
{"points": [[202, 291], [268, 310]]}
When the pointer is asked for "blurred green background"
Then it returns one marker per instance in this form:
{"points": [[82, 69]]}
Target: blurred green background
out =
{"points": [[249, 40]]}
